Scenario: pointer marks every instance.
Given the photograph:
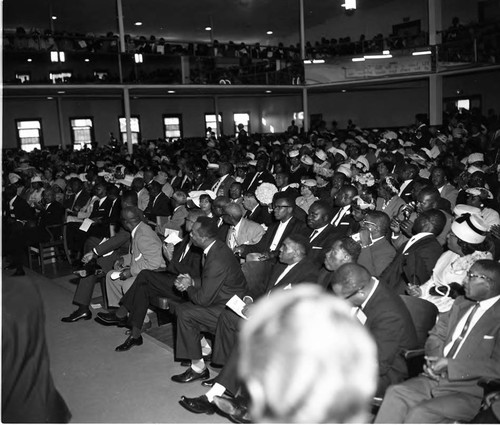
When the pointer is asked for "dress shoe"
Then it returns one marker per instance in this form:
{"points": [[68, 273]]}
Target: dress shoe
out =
{"points": [[18, 272], [207, 359], [234, 408], [208, 382], [190, 375], [145, 327], [77, 315], [110, 319], [197, 404], [129, 343]]}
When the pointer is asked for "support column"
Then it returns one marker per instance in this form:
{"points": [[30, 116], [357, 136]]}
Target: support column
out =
{"points": [[126, 107], [435, 21], [121, 34], [302, 31], [185, 71], [60, 122], [305, 108], [217, 124], [435, 99]]}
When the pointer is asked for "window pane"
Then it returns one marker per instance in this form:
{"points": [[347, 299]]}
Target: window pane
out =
{"points": [[81, 122], [28, 124], [171, 120], [25, 133], [134, 125], [172, 126]]}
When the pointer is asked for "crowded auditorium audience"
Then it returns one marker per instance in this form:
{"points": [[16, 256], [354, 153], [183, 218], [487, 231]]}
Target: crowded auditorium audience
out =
{"points": [[371, 216]]}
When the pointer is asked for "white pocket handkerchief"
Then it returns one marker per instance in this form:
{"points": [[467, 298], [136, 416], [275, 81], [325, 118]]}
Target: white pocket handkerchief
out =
{"points": [[287, 287], [488, 337], [139, 257]]}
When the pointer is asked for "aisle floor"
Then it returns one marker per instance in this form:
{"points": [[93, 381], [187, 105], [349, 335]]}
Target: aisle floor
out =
{"points": [[104, 386]]}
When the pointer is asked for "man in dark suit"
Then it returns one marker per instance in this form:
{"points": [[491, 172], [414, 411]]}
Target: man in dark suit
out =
{"points": [[159, 203], [261, 175], [415, 260], [79, 197], [284, 185], [294, 268], [322, 233], [225, 179], [286, 225], [384, 314], [218, 207], [376, 251], [221, 279], [461, 348], [342, 220], [408, 174], [28, 391], [254, 211], [18, 215]]}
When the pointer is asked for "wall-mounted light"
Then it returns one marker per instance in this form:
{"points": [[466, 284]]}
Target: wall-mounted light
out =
{"points": [[87, 60], [268, 91], [171, 91], [377, 56], [54, 17], [358, 59], [269, 33], [138, 23], [208, 28], [315, 61], [29, 60]]}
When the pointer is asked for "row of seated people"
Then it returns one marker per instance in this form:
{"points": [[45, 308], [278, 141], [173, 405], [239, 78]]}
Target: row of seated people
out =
{"points": [[414, 263]]}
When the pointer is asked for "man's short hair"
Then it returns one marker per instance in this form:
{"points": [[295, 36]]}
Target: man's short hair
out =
{"points": [[208, 227], [381, 219], [435, 218], [130, 197], [348, 245], [325, 206], [180, 197], [302, 242]]}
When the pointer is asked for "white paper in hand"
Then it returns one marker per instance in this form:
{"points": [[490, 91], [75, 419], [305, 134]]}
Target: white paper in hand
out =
{"points": [[86, 225], [172, 237], [236, 304]]}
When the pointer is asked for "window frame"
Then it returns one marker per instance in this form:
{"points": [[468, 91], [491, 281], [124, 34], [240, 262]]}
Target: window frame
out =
{"points": [[181, 130], [19, 140], [92, 131], [221, 124], [139, 134], [247, 129]]}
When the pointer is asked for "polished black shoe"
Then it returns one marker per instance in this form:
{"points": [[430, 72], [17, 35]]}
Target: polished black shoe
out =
{"points": [[233, 408], [190, 375], [129, 343], [110, 319], [197, 404], [19, 272], [208, 382], [77, 315]]}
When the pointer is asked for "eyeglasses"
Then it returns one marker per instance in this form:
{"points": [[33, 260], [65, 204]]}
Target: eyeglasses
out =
{"points": [[365, 222], [479, 276]]}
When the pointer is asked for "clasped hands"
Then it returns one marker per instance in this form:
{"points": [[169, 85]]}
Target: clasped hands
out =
{"points": [[183, 282], [435, 367]]}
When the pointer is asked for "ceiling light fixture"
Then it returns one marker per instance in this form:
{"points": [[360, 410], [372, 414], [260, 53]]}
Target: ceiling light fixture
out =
{"points": [[138, 23], [54, 17], [171, 91], [87, 60], [50, 98], [61, 92], [377, 56], [344, 90], [349, 4], [425, 52], [269, 33], [386, 52], [29, 60], [358, 59], [314, 61], [268, 91], [208, 28]]}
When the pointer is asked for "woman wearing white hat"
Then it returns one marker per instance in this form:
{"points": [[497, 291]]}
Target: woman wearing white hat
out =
{"points": [[467, 242], [307, 192]]}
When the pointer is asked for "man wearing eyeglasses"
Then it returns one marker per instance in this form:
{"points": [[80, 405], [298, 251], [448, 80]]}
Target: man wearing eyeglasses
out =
{"points": [[461, 348], [376, 251], [384, 315]]}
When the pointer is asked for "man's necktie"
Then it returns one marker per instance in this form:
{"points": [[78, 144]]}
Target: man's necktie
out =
{"points": [[456, 343], [247, 214], [215, 186], [203, 259], [337, 217], [313, 235]]}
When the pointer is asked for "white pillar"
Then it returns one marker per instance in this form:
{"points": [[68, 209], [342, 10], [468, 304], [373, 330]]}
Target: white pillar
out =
{"points": [[216, 109], [126, 107], [60, 121], [435, 22], [305, 108]]}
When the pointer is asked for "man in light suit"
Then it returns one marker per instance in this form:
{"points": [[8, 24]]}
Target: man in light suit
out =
{"points": [[439, 178], [221, 279], [142, 193], [177, 219], [145, 255], [461, 348], [242, 231], [184, 258], [376, 251], [385, 316]]}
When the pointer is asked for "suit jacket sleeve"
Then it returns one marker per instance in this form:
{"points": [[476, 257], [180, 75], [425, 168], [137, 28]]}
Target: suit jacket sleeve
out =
{"points": [[420, 263], [148, 255], [121, 238], [251, 233]]}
